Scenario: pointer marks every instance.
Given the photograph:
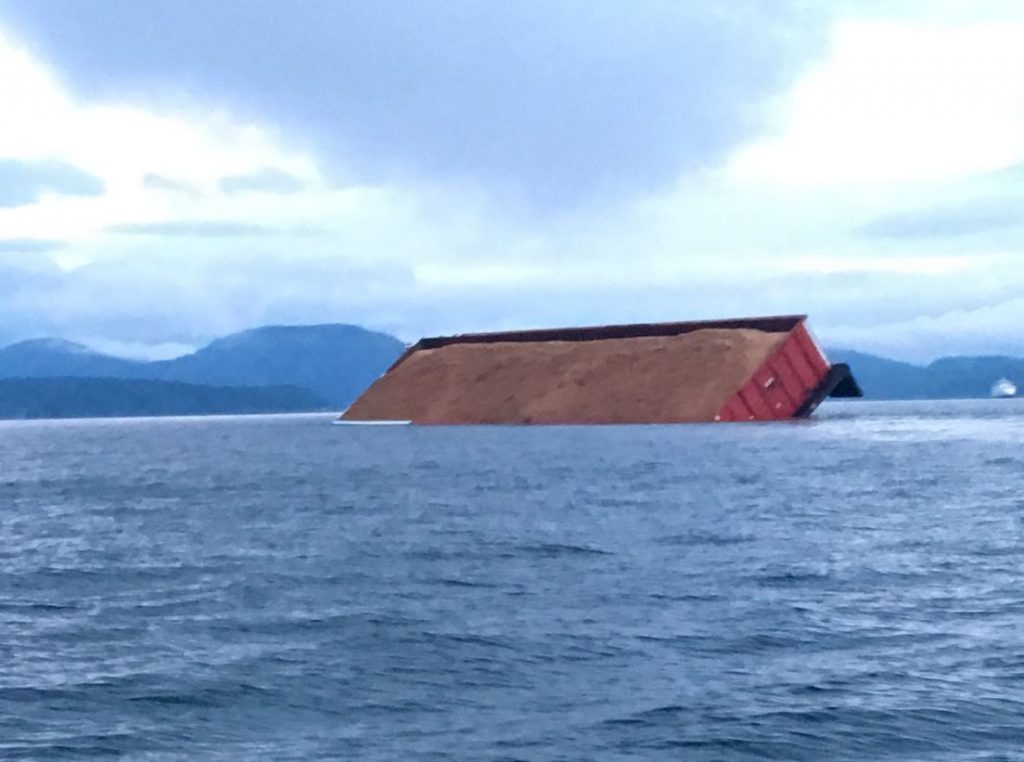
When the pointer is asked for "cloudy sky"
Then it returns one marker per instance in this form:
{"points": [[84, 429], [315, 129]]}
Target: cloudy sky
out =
{"points": [[174, 170]]}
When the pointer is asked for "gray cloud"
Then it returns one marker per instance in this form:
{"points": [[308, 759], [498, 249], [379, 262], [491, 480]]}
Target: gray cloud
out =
{"points": [[161, 183], [155, 300], [977, 216], [194, 228], [555, 102], [29, 245], [23, 291], [563, 103], [24, 182], [267, 180]]}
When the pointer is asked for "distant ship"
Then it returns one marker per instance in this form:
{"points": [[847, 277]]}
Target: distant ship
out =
{"points": [[1004, 387]]}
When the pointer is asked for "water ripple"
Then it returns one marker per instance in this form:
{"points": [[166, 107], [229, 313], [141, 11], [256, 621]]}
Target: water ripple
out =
{"points": [[846, 589]]}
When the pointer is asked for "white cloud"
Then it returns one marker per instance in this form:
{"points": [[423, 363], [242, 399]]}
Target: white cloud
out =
{"points": [[899, 101], [133, 350], [121, 144], [991, 329], [920, 265]]}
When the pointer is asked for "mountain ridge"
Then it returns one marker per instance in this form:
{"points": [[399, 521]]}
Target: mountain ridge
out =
{"points": [[334, 361], [954, 377]]}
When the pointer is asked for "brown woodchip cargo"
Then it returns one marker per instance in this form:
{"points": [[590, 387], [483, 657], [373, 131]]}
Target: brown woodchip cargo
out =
{"points": [[680, 378]]}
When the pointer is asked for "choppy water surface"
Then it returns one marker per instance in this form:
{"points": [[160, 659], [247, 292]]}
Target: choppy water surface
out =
{"points": [[847, 588]]}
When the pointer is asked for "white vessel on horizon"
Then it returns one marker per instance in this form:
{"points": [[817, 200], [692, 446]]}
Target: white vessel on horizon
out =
{"points": [[1004, 387]]}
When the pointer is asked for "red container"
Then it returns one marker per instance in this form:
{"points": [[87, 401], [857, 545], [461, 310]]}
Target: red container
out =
{"points": [[791, 383]]}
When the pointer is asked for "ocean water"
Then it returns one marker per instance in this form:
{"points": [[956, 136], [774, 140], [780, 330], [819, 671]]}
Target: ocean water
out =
{"points": [[846, 588]]}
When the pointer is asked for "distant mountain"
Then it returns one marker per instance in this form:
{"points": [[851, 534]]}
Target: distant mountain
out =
{"points": [[882, 378], [334, 362], [946, 378], [337, 362], [56, 357], [974, 376], [110, 397]]}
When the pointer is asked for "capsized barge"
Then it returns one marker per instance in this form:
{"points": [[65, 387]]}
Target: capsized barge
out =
{"points": [[742, 369]]}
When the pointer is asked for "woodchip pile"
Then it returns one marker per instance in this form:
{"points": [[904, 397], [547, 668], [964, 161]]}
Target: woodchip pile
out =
{"points": [[666, 379]]}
